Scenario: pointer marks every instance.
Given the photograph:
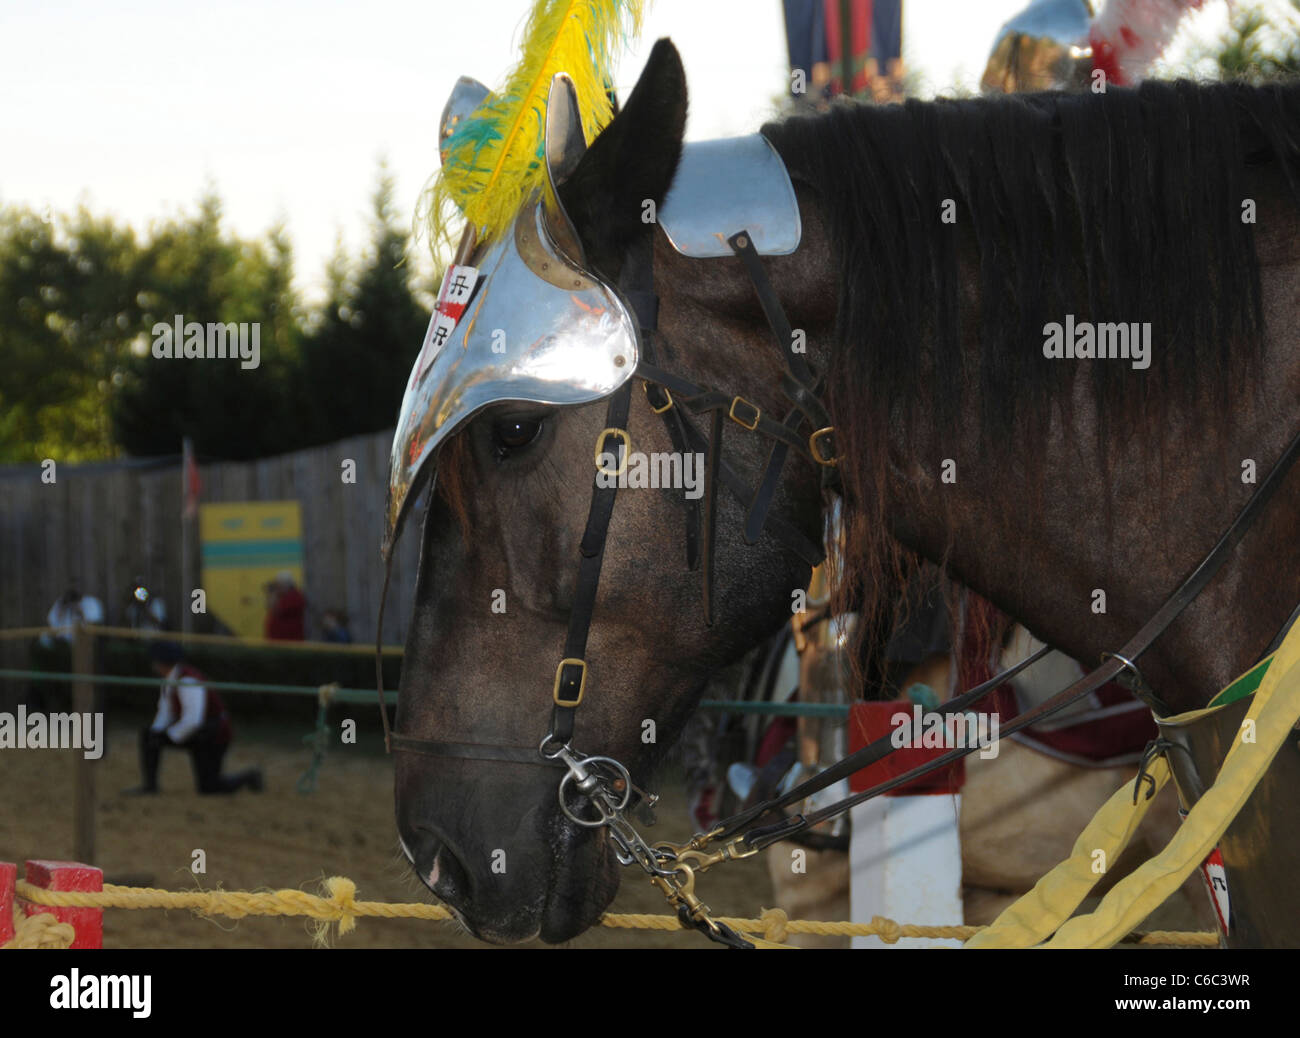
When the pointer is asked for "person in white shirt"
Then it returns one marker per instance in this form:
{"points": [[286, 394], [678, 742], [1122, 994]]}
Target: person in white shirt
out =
{"points": [[71, 609], [192, 716]]}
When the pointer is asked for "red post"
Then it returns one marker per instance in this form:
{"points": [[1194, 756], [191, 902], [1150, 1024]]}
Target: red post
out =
{"points": [[70, 875], [8, 874]]}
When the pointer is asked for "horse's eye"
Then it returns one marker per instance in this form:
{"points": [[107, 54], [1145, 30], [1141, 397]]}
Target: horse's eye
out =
{"points": [[512, 434]]}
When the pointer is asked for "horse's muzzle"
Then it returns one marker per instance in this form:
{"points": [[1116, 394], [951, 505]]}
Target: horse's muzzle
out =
{"points": [[500, 854]]}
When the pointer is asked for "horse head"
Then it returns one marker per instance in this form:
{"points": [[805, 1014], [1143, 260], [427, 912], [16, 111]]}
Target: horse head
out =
{"points": [[507, 542]]}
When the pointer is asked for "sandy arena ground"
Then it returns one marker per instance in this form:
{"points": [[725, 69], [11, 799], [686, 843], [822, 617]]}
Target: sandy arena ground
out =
{"points": [[283, 839]]}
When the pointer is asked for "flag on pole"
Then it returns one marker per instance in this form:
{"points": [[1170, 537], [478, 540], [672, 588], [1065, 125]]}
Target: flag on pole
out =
{"points": [[830, 41], [192, 485], [805, 34]]}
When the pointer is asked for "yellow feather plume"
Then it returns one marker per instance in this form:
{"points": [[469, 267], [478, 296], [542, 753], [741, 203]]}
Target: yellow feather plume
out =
{"points": [[495, 158]]}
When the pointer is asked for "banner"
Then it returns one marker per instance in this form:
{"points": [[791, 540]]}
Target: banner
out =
{"points": [[243, 546]]}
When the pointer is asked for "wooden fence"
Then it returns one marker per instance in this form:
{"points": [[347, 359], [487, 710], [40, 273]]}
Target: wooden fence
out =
{"points": [[102, 524]]}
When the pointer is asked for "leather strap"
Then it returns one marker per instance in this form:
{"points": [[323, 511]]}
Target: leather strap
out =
{"points": [[592, 552], [742, 244], [785, 532], [473, 751], [1278, 638], [712, 471], [646, 307], [764, 494]]}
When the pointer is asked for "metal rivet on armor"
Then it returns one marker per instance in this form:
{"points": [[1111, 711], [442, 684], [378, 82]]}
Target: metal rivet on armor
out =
{"points": [[546, 266], [742, 241], [619, 361]]}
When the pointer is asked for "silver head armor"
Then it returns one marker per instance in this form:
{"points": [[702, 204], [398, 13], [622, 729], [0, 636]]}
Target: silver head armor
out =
{"points": [[537, 329], [523, 320], [1044, 47]]}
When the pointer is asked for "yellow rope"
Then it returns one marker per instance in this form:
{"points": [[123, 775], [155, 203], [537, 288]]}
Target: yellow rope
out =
{"points": [[342, 907], [39, 931]]}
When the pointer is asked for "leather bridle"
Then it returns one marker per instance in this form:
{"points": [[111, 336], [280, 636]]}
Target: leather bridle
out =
{"points": [[604, 783]]}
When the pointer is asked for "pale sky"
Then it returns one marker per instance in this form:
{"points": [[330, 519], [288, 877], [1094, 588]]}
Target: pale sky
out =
{"points": [[285, 106]]}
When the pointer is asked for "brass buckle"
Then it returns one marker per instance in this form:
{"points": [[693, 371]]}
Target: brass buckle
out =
{"points": [[668, 395], [751, 426], [559, 675], [819, 437], [627, 450]]}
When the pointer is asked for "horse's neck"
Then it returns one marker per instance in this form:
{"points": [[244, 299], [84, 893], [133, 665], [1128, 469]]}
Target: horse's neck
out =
{"points": [[1087, 557]]}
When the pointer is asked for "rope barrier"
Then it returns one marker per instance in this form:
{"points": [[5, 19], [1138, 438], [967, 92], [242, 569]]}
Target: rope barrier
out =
{"points": [[366, 696], [341, 907], [250, 643], [341, 695], [39, 931], [99, 630]]}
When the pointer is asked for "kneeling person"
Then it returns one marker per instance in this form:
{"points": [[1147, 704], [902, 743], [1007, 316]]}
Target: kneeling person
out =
{"points": [[192, 717]]}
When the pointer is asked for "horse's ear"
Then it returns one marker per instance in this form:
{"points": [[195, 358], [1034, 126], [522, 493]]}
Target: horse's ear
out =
{"points": [[565, 145], [632, 162]]}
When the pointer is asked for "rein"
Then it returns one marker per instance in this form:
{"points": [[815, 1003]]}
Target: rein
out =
{"points": [[603, 783]]}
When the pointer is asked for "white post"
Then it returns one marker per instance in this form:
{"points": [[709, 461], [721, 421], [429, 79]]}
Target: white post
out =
{"points": [[905, 864], [905, 847]]}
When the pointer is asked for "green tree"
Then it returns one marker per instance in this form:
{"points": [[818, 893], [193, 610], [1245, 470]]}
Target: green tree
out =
{"points": [[193, 269], [68, 309], [1258, 46], [80, 299]]}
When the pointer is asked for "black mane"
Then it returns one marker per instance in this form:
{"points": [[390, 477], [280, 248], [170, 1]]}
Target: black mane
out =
{"points": [[1120, 207]]}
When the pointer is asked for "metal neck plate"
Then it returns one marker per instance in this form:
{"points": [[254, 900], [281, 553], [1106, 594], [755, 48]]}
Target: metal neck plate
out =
{"points": [[730, 185]]}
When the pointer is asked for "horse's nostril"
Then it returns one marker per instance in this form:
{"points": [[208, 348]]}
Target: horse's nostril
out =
{"points": [[435, 863]]}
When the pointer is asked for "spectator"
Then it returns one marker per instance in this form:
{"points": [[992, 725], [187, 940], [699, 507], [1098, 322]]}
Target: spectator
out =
{"points": [[144, 611], [192, 717], [285, 609], [72, 608], [335, 623]]}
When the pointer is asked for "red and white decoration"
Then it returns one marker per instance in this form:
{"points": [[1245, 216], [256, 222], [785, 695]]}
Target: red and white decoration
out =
{"points": [[454, 295], [1128, 35], [1216, 880]]}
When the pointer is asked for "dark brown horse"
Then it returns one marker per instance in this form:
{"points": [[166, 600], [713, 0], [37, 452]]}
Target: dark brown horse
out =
{"points": [[940, 241]]}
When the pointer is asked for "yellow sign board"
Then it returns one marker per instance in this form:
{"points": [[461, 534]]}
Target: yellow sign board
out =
{"points": [[243, 546]]}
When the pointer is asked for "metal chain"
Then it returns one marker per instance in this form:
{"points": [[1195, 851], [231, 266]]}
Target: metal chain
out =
{"points": [[606, 784]]}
